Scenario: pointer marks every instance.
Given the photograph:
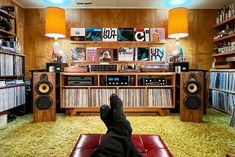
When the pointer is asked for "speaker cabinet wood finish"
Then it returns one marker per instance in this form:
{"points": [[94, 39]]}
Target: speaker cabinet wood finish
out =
{"points": [[191, 96], [44, 97]]}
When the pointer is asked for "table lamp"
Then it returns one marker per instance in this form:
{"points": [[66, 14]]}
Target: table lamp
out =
{"points": [[178, 27], [55, 28]]}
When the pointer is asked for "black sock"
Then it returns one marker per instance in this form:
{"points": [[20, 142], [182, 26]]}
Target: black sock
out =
{"points": [[106, 115]]}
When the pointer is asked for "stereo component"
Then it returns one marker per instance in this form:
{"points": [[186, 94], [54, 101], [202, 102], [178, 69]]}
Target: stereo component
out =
{"points": [[117, 81], [155, 81], [100, 67], [80, 80], [191, 96], [44, 97]]}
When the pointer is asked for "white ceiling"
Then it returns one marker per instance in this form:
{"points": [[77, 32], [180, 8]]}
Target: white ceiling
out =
{"points": [[159, 4]]}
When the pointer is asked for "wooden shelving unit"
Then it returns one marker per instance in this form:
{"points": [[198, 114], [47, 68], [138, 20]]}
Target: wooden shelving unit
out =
{"points": [[12, 68], [224, 54], [225, 22], [133, 88], [115, 42], [225, 38]]}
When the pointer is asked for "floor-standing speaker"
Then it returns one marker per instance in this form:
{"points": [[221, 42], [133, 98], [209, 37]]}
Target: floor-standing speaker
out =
{"points": [[191, 96], [44, 97]]}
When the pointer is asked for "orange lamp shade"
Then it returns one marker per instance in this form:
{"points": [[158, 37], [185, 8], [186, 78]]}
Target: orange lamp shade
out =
{"points": [[178, 23], [55, 22]]}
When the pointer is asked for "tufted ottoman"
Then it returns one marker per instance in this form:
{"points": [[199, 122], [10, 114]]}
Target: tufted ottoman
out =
{"points": [[148, 145]]}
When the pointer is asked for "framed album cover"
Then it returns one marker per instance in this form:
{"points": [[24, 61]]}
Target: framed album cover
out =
{"points": [[141, 34], [125, 34], [105, 54], [157, 34], [77, 34], [142, 53], [125, 54], [109, 34], [78, 53], [157, 54], [91, 54], [93, 34]]}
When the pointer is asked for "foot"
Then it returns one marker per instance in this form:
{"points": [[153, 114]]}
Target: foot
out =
{"points": [[106, 115], [116, 102]]}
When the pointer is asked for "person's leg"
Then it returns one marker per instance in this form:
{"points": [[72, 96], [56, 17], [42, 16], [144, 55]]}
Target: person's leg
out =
{"points": [[106, 115]]}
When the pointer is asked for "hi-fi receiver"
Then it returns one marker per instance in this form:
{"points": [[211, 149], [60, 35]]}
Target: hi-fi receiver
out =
{"points": [[101, 67], [117, 80], [152, 81]]}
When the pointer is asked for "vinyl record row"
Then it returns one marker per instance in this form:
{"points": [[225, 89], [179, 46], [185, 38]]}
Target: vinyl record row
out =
{"points": [[75, 98], [132, 97], [160, 98], [11, 97], [219, 80], [101, 96]]}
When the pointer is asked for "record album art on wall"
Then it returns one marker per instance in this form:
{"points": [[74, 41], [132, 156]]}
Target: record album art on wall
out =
{"points": [[157, 34], [142, 53], [91, 54], [157, 54], [125, 34], [125, 54], [93, 34], [109, 34], [78, 53], [77, 34], [141, 34], [105, 54]]}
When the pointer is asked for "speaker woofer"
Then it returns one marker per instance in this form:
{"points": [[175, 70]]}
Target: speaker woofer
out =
{"points": [[43, 102], [192, 102], [43, 88], [192, 87]]}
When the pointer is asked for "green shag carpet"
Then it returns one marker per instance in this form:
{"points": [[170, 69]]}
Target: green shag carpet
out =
{"points": [[23, 138]]}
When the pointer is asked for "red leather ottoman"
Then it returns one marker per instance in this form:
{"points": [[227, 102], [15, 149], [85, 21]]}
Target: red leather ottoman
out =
{"points": [[148, 145]]}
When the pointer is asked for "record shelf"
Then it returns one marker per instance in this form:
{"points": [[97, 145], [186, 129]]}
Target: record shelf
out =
{"points": [[136, 97]]}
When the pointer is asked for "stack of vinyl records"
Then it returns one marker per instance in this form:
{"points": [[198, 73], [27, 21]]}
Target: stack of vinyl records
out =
{"points": [[219, 80], [73, 98], [160, 98], [132, 97], [11, 97], [101, 96]]}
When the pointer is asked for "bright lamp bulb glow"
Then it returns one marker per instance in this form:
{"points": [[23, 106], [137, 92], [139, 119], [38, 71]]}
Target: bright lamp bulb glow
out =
{"points": [[177, 2], [56, 1]]}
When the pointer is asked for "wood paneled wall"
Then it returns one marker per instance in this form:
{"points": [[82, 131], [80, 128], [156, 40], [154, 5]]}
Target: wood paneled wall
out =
{"points": [[197, 47], [20, 21]]}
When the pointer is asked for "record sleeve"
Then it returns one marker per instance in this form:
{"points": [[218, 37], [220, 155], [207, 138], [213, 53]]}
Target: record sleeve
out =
{"points": [[78, 53], [109, 34], [125, 34], [93, 34], [141, 34], [105, 54], [77, 34], [91, 54], [157, 54], [142, 53], [157, 34], [125, 54]]}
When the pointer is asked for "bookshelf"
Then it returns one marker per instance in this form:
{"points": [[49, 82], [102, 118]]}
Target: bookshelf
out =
{"points": [[136, 96], [222, 89], [222, 86], [12, 87]]}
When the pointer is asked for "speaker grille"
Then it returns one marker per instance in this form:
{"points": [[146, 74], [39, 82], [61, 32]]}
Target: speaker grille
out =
{"points": [[43, 102], [192, 102]]}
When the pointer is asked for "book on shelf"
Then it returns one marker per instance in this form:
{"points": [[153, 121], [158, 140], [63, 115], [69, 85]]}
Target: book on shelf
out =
{"points": [[105, 54], [125, 34], [125, 54], [109, 34], [141, 53], [141, 34], [77, 34], [91, 54], [157, 34], [157, 54], [93, 34], [78, 54]]}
